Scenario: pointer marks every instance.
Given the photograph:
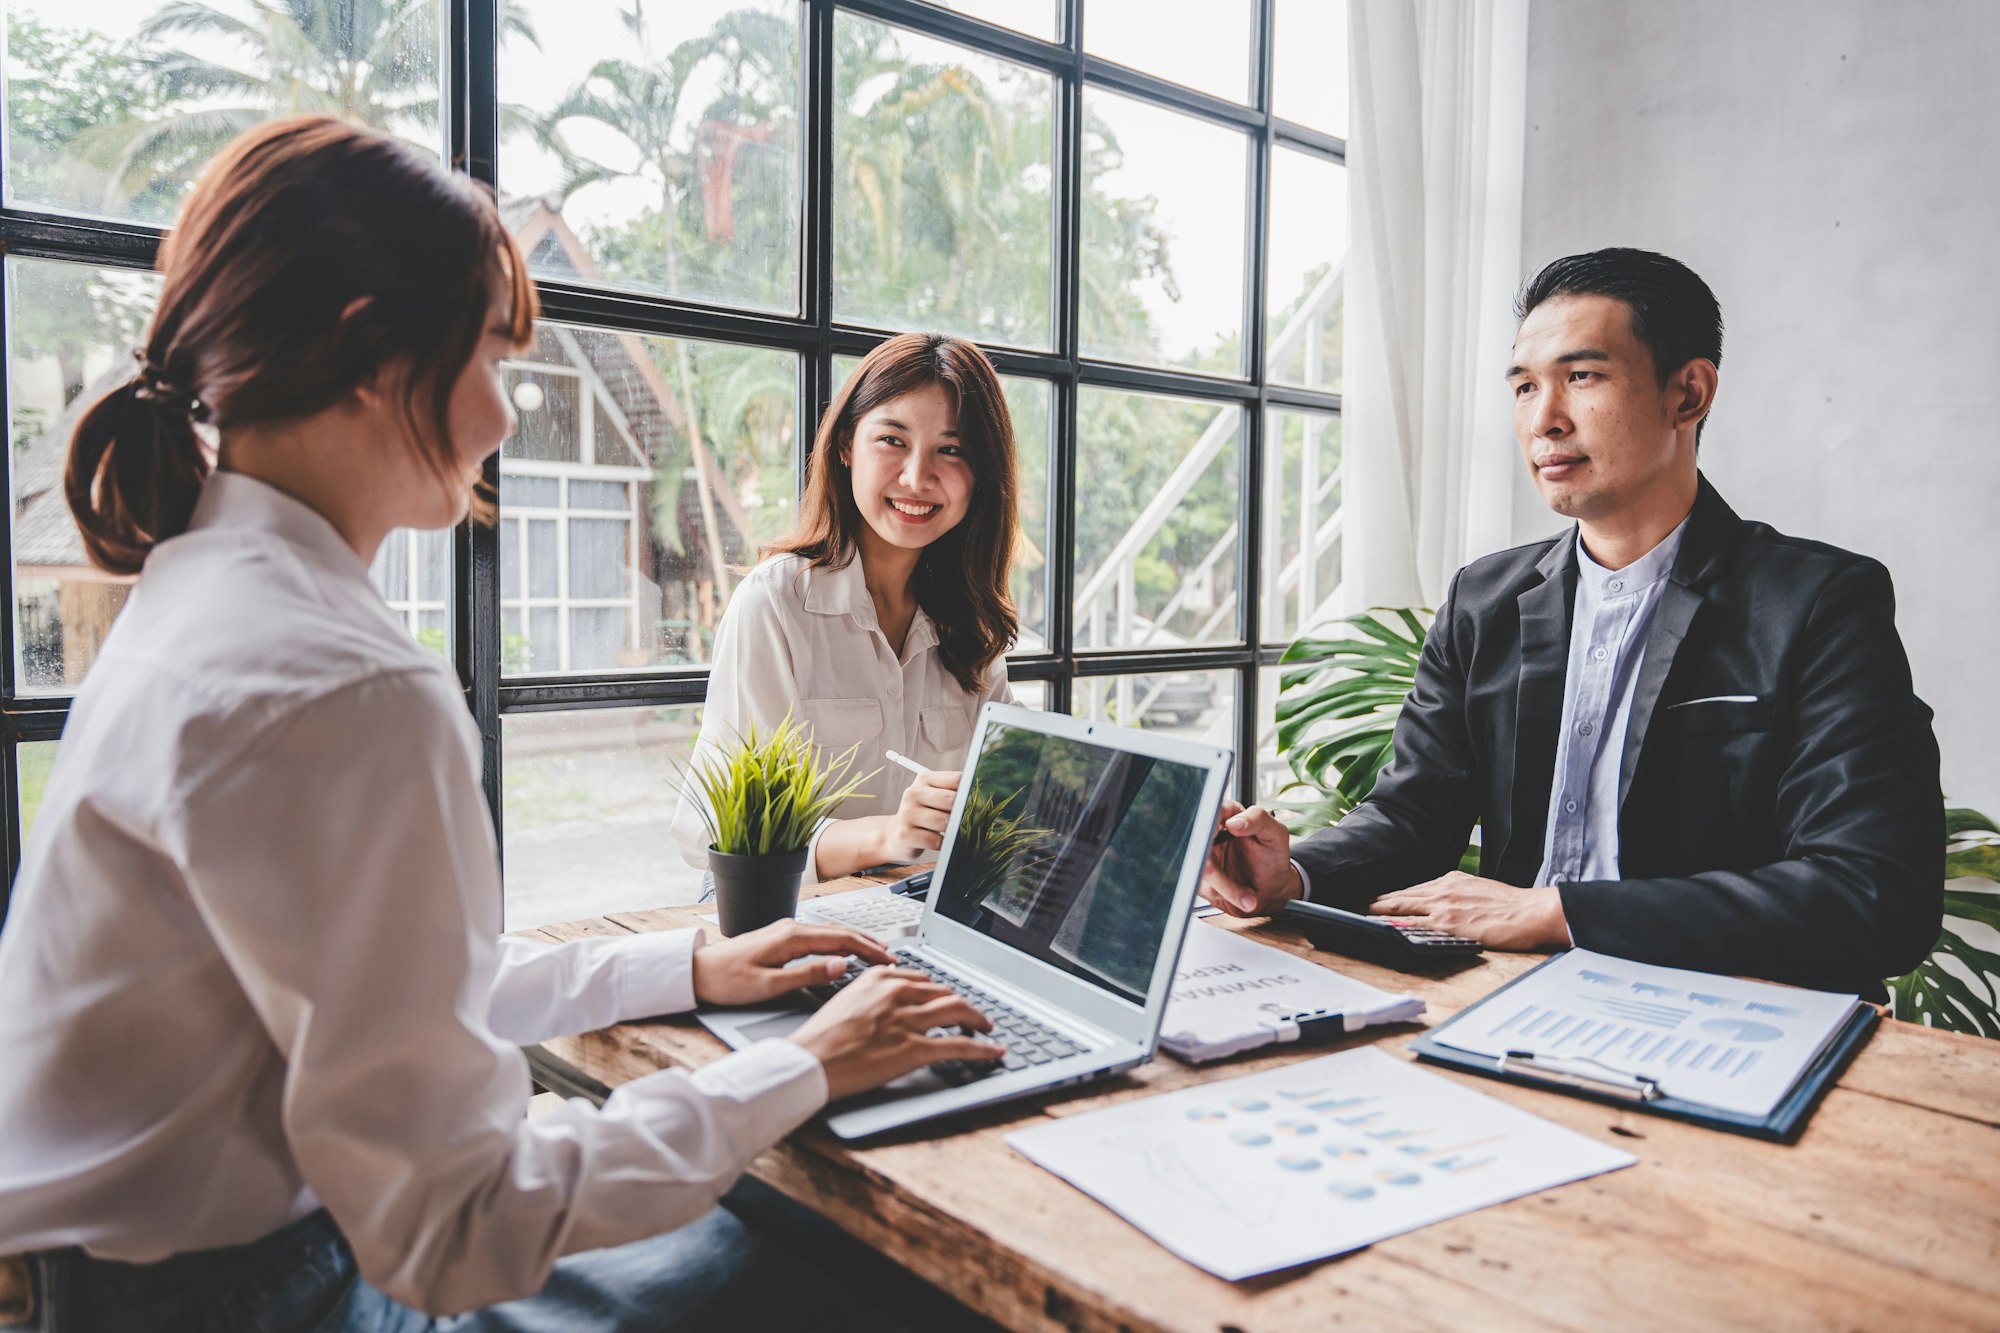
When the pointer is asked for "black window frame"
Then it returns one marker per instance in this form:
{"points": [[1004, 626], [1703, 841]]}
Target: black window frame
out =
{"points": [[471, 78]]}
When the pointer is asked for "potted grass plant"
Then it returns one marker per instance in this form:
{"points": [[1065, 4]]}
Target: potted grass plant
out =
{"points": [[761, 801]]}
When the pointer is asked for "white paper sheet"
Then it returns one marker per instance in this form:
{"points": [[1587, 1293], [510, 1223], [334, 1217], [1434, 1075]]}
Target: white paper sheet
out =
{"points": [[1733, 1045], [1250, 1175]]}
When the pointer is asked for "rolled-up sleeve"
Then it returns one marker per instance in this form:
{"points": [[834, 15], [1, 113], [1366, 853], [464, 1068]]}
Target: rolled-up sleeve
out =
{"points": [[545, 990], [360, 917]]}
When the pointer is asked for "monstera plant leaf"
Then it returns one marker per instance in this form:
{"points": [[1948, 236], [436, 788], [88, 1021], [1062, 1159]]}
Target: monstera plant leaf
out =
{"points": [[1958, 986], [1337, 711]]}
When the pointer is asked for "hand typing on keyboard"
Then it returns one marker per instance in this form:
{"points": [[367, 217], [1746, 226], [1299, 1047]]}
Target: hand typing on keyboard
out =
{"points": [[885, 1022]]}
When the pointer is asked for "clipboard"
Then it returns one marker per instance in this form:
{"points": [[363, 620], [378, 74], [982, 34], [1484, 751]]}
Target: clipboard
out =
{"points": [[1782, 1125]]}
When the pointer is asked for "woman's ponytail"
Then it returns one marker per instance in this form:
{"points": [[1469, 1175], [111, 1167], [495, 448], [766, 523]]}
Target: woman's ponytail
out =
{"points": [[136, 466]]}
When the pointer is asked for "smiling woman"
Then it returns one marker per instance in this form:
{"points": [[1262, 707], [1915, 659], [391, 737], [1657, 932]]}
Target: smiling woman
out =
{"points": [[882, 621]]}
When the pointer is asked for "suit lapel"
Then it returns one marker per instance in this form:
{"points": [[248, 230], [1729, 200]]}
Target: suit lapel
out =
{"points": [[1545, 612], [1711, 533]]}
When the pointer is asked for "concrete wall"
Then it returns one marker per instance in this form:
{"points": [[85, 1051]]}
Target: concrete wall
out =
{"points": [[1832, 169]]}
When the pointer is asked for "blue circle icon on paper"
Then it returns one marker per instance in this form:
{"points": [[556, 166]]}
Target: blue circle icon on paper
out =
{"points": [[1251, 1104], [1206, 1115], [1297, 1128], [1351, 1190], [1741, 1029], [1298, 1161], [1250, 1138]]}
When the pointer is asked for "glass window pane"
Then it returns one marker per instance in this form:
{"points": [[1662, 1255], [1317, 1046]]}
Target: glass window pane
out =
{"points": [[544, 558], [1302, 522], [70, 333], [599, 557], [1163, 236], [1274, 775], [1194, 705], [548, 407], [1309, 63], [1210, 52], [1028, 579], [659, 149], [1156, 524], [517, 492], [412, 571], [114, 107], [1036, 18], [597, 638], [943, 206], [600, 495], [672, 570], [1308, 265], [587, 799], [35, 760], [1031, 694]]}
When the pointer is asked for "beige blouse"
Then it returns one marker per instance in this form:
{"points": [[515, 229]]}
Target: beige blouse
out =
{"points": [[806, 640]]}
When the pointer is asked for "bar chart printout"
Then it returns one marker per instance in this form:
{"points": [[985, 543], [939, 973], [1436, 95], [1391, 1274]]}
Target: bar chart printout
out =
{"points": [[1268, 1171], [1733, 1045]]}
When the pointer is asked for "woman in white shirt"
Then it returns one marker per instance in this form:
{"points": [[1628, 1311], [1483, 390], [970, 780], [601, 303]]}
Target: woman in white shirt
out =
{"points": [[883, 621], [259, 1030]]}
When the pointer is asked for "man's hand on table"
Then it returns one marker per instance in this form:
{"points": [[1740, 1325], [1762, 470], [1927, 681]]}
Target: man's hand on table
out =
{"points": [[755, 966], [1249, 870], [1499, 916], [879, 1029]]}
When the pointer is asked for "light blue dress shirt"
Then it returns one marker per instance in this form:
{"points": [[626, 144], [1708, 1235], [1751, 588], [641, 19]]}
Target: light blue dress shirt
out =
{"points": [[1607, 641]]}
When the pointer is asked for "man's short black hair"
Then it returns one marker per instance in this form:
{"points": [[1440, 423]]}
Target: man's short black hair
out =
{"points": [[1673, 312]]}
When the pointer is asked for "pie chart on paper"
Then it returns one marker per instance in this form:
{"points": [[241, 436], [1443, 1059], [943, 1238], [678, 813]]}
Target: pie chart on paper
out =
{"points": [[1742, 1029]]}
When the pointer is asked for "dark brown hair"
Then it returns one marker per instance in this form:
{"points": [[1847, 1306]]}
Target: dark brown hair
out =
{"points": [[295, 222], [961, 578]]}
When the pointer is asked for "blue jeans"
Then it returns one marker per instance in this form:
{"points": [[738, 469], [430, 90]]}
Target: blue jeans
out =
{"points": [[714, 1274]]}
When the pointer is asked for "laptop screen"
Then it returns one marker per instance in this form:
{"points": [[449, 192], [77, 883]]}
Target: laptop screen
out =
{"points": [[1071, 851]]}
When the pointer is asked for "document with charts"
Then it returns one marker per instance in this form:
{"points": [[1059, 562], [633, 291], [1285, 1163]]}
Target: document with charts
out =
{"points": [[1250, 1175], [1733, 1045]]}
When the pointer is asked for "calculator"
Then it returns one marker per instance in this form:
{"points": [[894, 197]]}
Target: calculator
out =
{"points": [[1381, 937], [886, 916]]}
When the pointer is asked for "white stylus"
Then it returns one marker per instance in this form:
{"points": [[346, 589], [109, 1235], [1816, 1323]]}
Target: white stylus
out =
{"points": [[907, 762]]}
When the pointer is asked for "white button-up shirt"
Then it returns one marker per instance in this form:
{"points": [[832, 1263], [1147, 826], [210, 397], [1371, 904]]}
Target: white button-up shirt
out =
{"points": [[1607, 642], [806, 641], [253, 964]]}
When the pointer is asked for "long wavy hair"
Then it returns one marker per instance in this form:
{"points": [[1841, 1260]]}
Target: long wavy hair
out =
{"points": [[311, 255], [961, 578]]}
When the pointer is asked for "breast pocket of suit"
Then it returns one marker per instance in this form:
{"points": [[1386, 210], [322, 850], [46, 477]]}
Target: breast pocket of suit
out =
{"points": [[943, 734], [838, 724], [1717, 767]]}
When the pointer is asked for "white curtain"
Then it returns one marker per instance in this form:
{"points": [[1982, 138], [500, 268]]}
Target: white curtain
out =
{"points": [[1435, 164]]}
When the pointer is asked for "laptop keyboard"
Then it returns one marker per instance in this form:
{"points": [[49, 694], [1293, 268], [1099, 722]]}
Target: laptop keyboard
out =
{"points": [[1029, 1043]]}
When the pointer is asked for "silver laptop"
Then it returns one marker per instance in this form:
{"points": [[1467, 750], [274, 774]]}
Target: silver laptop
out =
{"points": [[1057, 908]]}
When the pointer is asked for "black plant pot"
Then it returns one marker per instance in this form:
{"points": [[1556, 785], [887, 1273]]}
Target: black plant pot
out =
{"points": [[753, 891]]}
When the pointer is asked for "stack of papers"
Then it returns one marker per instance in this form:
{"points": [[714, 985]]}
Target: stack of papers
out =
{"points": [[1732, 1045], [1250, 1175], [1233, 994]]}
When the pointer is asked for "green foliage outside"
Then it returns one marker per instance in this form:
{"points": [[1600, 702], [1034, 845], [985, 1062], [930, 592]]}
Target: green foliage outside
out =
{"points": [[1958, 986], [766, 794]]}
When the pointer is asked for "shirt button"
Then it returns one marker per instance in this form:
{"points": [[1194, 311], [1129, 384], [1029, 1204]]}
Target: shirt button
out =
{"points": [[1569, 807], [1616, 585], [1600, 653], [1584, 728]]}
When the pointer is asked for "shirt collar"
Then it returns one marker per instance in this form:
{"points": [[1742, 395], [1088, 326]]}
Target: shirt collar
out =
{"points": [[1636, 577], [231, 501], [831, 591]]}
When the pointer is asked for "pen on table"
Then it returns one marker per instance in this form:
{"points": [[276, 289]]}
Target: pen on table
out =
{"points": [[1621, 1081], [907, 762]]}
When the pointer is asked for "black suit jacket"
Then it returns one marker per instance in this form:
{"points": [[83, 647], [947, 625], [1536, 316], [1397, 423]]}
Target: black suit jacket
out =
{"points": [[1798, 836]]}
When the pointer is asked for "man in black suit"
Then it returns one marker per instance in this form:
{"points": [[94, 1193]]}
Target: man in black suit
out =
{"points": [[1688, 739]]}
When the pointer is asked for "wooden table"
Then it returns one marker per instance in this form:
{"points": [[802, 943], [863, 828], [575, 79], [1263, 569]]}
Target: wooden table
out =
{"points": [[1884, 1215]]}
